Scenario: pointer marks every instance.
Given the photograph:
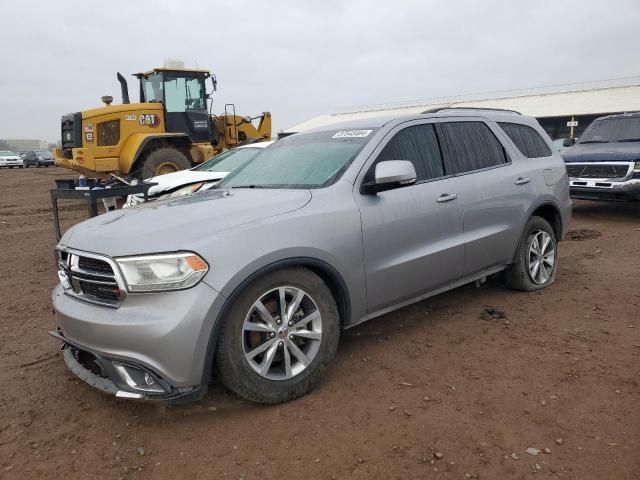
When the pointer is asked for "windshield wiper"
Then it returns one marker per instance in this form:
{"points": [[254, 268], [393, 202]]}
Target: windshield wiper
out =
{"points": [[629, 140], [249, 186], [594, 141]]}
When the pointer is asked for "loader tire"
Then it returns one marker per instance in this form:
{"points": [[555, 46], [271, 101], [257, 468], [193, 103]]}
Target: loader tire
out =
{"points": [[161, 161]]}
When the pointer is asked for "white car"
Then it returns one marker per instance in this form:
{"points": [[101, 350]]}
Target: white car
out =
{"points": [[10, 159], [199, 178]]}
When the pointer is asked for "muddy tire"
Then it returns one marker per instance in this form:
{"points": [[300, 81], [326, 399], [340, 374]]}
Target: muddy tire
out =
{"points": [[272, 351], [162, 161], [536, 260]]}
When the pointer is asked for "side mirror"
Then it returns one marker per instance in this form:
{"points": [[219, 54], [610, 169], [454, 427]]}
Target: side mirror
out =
{"points": [[391, 174], [568, 142]]}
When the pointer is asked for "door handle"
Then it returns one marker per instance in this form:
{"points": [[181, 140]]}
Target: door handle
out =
{"points": [[446, 197], [522, 180]]}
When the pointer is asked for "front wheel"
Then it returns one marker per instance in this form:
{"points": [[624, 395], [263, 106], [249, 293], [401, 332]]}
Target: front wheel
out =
{"points": [[279, 337], [163, 160], [536, 259]]}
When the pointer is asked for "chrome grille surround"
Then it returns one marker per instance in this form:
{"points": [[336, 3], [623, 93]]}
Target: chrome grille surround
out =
{"points": [[103, 284], [599, 170]]}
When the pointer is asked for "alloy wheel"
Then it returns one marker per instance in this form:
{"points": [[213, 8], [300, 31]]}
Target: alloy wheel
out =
{"points": [[541, 257], [282, 333]]}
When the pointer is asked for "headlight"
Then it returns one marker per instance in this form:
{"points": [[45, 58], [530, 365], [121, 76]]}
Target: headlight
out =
{"points": [[170, 271], [636, 167]]}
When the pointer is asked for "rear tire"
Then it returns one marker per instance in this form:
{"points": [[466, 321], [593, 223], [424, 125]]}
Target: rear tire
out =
{"points": [[536, 260], [293, 354], [162, 161]]}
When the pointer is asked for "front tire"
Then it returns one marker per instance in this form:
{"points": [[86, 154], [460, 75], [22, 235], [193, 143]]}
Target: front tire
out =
{"points": [[279, 337], [162, 161], [536, 259]]}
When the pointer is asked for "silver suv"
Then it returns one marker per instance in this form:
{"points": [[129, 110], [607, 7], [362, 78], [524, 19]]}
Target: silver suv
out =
{"points": [[254, 281]]}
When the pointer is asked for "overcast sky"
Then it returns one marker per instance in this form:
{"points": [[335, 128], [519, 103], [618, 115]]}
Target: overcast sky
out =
{"points": [[301, 59]]}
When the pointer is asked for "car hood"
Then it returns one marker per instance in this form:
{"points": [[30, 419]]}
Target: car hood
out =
{"points": [[180, 224], [603, 152], [10, 157], [183, 177]]}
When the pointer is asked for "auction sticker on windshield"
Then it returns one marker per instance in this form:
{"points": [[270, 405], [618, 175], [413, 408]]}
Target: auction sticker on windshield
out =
{"points": [[352, 133]]}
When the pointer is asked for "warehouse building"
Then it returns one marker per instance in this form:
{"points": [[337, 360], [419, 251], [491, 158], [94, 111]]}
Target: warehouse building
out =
{"points": [[22, 144], [562, 110]]}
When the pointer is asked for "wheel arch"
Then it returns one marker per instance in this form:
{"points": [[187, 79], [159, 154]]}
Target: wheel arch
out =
{"points": [[548, 210], [551, 213], [329, 275], [139, 143]]}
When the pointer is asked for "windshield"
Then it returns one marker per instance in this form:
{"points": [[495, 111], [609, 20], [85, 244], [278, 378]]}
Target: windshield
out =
{"points": [[308, 160], [6, 153], [625, 129], [43, 153], [228, 161]]}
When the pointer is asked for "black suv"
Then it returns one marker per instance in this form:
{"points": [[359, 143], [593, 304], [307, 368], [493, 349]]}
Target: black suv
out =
{"points": [[37, 158], [605, 162]]}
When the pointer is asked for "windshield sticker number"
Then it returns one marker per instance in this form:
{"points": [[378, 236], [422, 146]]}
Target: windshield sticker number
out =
{"points": [[352, 133]]}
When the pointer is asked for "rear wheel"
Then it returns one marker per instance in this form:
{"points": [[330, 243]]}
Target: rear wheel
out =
{"points": [[279, 337], [536, 261], [162, 161]]}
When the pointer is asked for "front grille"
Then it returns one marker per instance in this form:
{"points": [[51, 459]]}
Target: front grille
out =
{"points": [[598, 170], [94, 265], [90, 278], [71, 133], [104, 292]]}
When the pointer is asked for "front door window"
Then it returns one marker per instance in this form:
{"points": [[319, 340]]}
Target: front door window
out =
{"points": [[183, 94]]}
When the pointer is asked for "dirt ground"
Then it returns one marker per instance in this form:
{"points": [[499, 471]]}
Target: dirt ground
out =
{"points": [[455, 387]]}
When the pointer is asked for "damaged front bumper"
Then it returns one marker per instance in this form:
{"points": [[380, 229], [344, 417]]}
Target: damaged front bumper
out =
{"points": [[124, 379]]}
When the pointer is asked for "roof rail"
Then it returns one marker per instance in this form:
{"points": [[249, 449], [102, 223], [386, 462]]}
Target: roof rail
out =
{"points": [[440, 109]]}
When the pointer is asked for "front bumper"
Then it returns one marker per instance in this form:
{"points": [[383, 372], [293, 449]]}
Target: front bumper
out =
{"points": [[82, 160], [165, 335], [604, 189], [12, 163], [115, 378]]}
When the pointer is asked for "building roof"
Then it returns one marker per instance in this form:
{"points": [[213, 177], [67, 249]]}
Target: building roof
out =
{"points": [[172, 70], [589, 98], [497, 115]]}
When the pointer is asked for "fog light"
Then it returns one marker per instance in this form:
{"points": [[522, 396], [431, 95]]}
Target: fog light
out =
{"points": [[138, 379]]}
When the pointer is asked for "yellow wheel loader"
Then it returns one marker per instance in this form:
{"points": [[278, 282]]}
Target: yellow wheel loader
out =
{"points": [[169, 130]]}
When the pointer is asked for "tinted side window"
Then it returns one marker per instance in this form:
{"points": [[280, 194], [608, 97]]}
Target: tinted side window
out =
{"points": [[419, 145], [528, 141], [469, 146]]}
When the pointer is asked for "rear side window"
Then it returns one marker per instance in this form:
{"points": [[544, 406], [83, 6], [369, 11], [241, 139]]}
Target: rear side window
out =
{"points": [[528, 141], [469, 146], [419, 145]]}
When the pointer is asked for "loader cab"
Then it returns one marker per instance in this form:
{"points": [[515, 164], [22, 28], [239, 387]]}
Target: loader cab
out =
{"points": [[184, 98]]}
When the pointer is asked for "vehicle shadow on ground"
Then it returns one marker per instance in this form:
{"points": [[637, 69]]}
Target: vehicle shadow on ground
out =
{"points": [[614, 211], [421, 317]]}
